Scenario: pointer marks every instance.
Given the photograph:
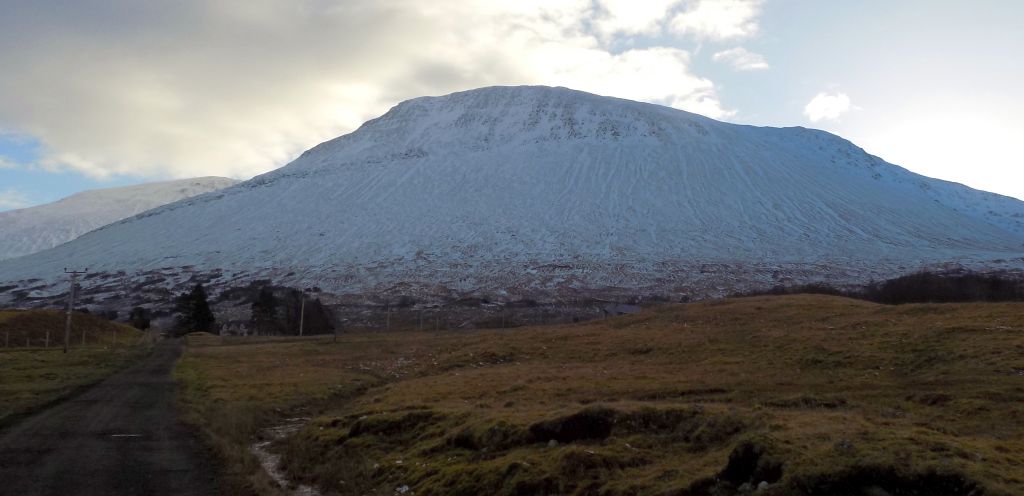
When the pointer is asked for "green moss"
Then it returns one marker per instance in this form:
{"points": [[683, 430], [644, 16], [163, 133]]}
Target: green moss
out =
{"points": [[498, 436]]}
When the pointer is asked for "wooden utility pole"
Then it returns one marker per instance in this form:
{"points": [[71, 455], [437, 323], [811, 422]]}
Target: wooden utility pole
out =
{"points": [[302, 312], [71, 306]]}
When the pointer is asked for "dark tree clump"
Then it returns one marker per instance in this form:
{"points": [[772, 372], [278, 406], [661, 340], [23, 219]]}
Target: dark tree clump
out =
{"points": [[194, 314], [140, 318], [318, 318], [926, 287], [922, 287], [279, 311], [264, 312]]}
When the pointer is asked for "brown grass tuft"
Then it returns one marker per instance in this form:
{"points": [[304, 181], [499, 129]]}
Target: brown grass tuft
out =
{"points": [[809, 394]]}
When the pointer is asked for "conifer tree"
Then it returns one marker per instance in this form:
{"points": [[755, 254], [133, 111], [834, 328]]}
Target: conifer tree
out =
{"points": [[194, 314], [139, 318], [264, 311]]}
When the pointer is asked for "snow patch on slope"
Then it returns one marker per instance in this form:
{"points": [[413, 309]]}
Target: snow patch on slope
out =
{"points": [[34, 229], [507, 189]]}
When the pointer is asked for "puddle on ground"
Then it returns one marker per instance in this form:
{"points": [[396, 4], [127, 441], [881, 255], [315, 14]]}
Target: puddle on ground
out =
{"points": [[272, 462]]}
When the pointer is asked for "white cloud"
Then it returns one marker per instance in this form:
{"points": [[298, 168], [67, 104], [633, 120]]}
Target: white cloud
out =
{"points": [[632, 17], [177, 88], [827, 106], [719, 19], [11, 198], [741, 59], [7, 164]]}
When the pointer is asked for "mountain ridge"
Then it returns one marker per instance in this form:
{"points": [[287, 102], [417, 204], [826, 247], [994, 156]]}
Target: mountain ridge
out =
{"points": [[32, 229], [527, 190]]}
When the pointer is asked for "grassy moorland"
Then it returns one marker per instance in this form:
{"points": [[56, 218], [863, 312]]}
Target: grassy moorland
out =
{"points": [[805, 394], [33, 375]]}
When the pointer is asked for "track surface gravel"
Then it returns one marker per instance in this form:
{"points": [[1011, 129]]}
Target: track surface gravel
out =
{"points": [[122, 436]]}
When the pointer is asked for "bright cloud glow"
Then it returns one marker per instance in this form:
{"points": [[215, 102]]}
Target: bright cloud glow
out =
{"points": [[741, 59], [719, 19], [828, 106], [954, 144], [179, 88]]}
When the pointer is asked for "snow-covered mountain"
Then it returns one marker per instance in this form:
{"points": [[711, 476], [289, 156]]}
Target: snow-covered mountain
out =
{"points": [[507, 191], [29, 230]]}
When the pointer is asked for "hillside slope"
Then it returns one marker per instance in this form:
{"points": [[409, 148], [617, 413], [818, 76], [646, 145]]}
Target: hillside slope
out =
{"points": [[30, 230], [514, 191]]}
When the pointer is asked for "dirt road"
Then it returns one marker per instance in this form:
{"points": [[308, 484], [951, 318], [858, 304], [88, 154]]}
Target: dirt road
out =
{"points": [[121, 437]]}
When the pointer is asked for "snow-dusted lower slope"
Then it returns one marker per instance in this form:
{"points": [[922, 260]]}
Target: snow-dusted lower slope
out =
{"points": [[514, 189], [29, 230]]}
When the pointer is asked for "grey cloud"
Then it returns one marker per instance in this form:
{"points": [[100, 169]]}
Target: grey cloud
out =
{"points": [[180, 88]]}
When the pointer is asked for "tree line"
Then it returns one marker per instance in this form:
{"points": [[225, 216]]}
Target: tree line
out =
{"points": [[922, 287], [273, 311], [280, 311]]}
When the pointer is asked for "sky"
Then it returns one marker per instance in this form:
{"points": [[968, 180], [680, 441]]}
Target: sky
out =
{"points": [[102, 93]]}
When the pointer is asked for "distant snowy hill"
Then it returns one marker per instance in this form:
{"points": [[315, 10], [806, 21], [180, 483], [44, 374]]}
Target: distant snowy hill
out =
{"points": [[518, 191], [34, 229]]}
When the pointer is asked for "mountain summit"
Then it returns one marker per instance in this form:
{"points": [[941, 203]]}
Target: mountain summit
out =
{"points": [[555, 192]]}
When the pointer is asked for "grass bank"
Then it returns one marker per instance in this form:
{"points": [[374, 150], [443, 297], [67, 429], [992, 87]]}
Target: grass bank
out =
{"points": [[796, 394], [33, 375]]}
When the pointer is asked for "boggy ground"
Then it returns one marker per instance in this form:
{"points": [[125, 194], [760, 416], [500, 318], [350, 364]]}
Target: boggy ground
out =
{"points": [[808, 395]]}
